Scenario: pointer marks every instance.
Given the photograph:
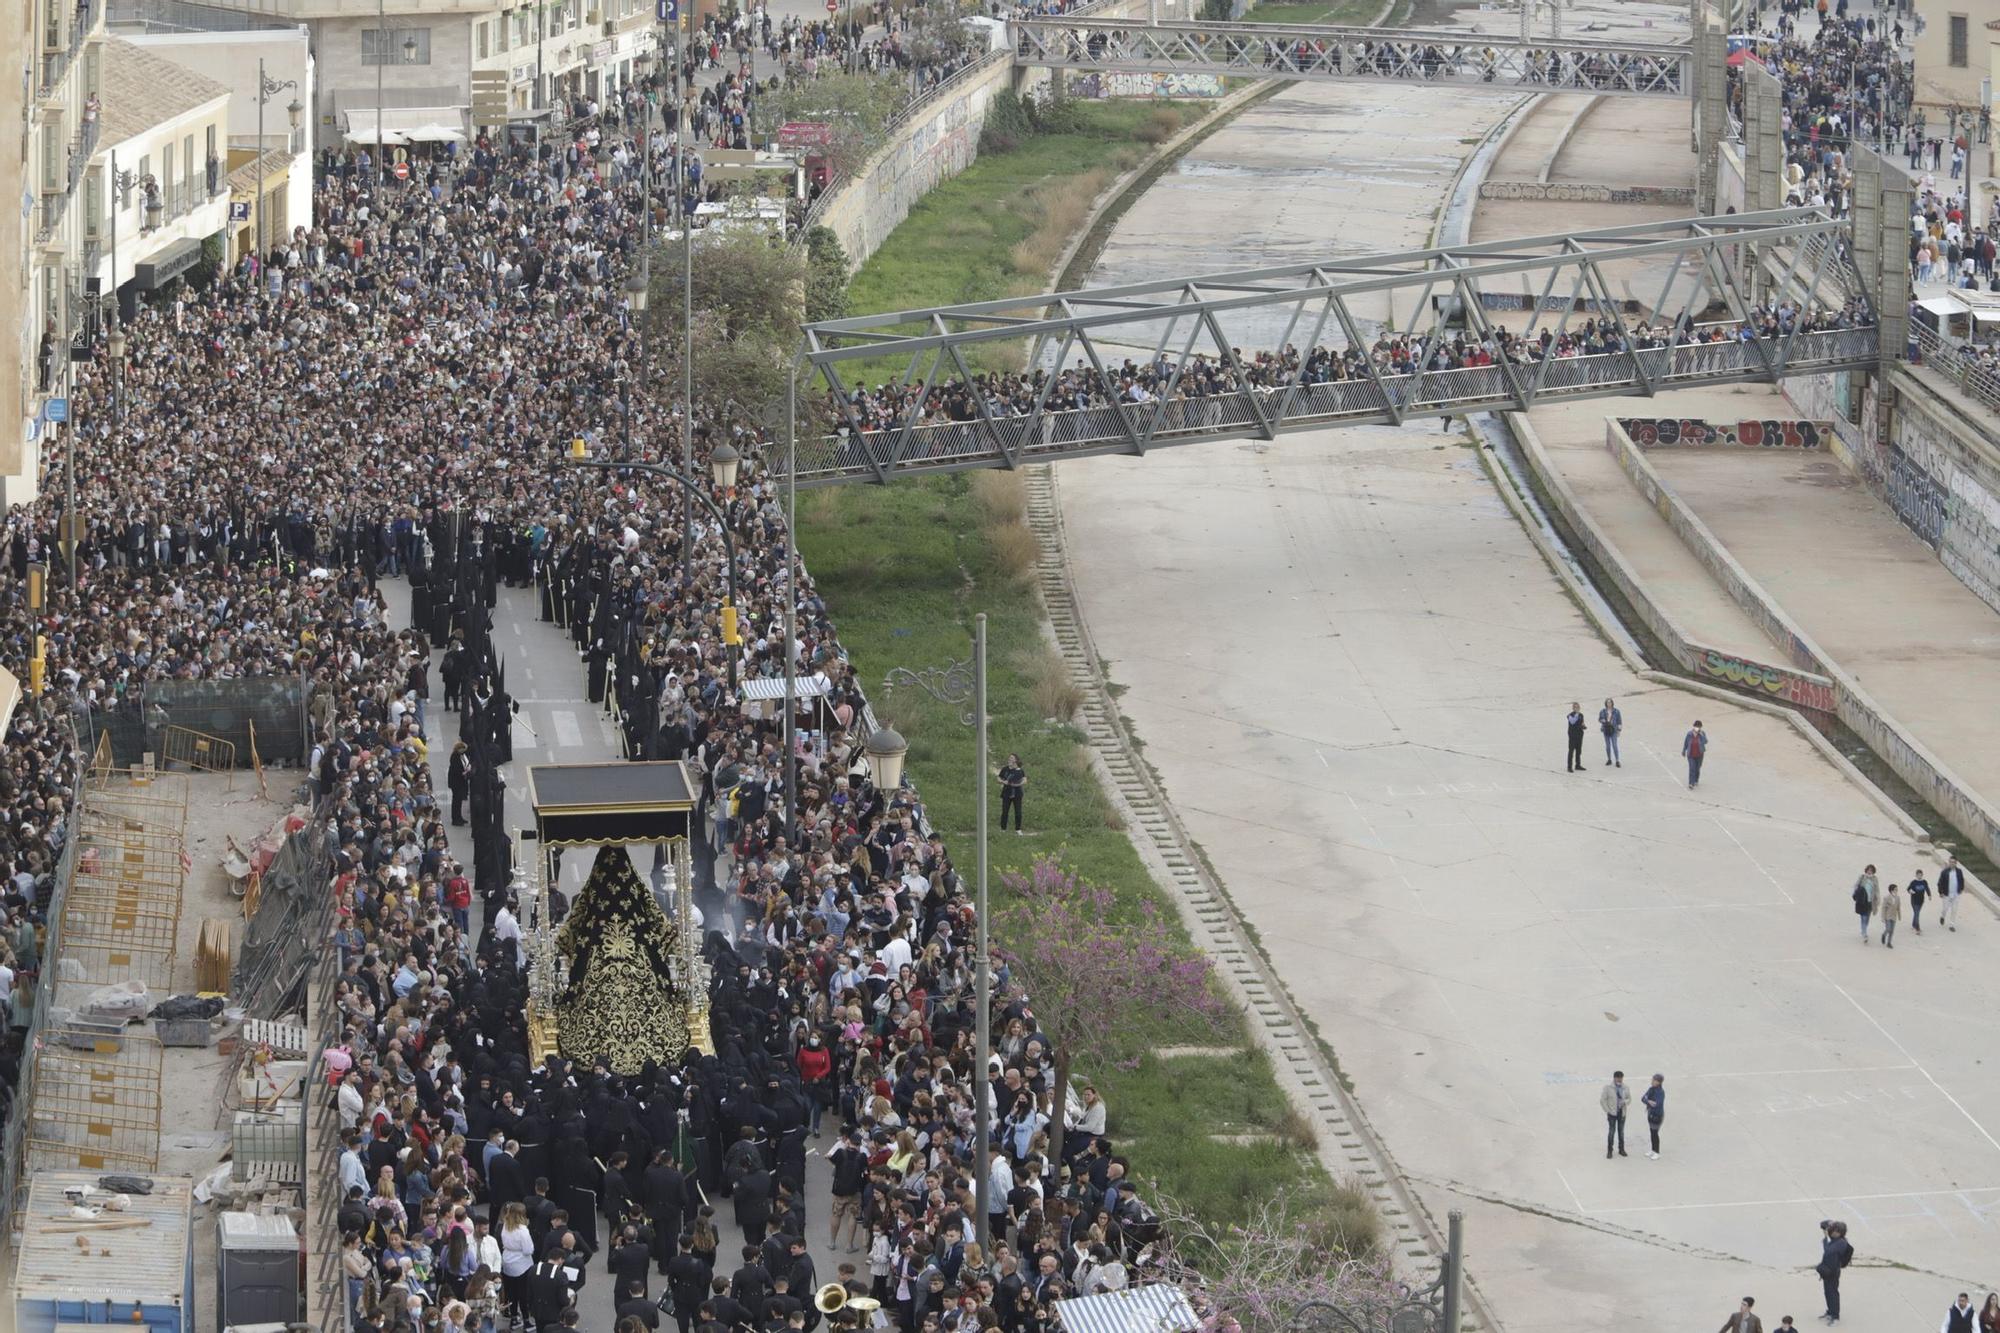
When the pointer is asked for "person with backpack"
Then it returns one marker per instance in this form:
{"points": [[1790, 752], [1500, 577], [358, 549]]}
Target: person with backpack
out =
{"points": [[1835, 1254], [1695, 748], [1865, 893]]}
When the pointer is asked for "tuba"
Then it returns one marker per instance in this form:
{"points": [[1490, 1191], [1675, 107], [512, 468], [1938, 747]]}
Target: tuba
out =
{"points": [[830, 1299]]}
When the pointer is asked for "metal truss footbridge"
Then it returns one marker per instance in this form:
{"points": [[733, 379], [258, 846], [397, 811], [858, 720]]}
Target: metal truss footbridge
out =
{"points": [[1346, 55], [1348, 340]]}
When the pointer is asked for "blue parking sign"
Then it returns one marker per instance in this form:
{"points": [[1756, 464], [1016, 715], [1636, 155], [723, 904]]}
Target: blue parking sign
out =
{"points": [[670, 11]]}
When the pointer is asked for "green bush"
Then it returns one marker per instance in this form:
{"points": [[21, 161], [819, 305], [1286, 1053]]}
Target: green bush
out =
{"points": [[1007, 124], [1052, 115]]}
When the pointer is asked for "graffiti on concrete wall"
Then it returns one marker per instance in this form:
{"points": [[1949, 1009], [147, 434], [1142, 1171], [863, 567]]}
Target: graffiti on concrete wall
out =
{"points": [[1916, 497], [1156, 83], [1585, 192], [1648, 432], [1804, 690]]}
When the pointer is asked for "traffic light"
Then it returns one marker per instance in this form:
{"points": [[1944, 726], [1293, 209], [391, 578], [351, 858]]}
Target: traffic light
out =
{"points": [[730, 635], [38, 574]]}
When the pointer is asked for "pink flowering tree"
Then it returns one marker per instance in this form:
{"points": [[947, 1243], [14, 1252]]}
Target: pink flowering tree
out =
{"points": [[1103, 982], [1289, 1254]]}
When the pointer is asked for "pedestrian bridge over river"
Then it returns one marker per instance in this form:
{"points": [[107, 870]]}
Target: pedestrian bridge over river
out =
{"points": [[899, 402], [1345, 55]]}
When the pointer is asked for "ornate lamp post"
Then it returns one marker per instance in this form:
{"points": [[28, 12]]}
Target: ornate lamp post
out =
{"points": [[267, 88], [959, 683]]}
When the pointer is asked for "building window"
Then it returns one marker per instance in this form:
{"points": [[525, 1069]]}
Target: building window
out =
{"points": [[395, 46], [169, 191], [211, 163], [1961, 39], [52, 157], [480, 42], [189, 167], [93, 203]]}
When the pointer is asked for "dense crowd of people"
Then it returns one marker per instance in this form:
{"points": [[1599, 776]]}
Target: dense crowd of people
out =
{"points": [[1205, 376], [1846, 81], [418, 359]]}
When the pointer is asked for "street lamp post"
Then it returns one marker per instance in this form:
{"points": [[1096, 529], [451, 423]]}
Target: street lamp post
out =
{"points": [[722, 466], [956, 684], [267, 88], [121, 183]]}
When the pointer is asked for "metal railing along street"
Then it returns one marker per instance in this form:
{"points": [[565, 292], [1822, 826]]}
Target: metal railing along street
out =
{"points": [[1950, 360]]}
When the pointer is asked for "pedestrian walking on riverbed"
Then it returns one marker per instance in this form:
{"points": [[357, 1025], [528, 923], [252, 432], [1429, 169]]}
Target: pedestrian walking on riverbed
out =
{"points": [[1743, 1321], [1835, 1253], [1610, 721], [1918, 891], [1694, 747], [1615, 1100], [1892, 912], [1573, 761], [1951, 883], [1654, 1099], [1866, 891]]}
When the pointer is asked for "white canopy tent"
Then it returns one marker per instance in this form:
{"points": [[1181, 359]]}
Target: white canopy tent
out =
{"points": [[399, 126]]}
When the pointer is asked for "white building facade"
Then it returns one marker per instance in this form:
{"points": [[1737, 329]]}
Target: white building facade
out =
{"points": [[405, 69], [47, 307], [269, 159], [156, 202]]}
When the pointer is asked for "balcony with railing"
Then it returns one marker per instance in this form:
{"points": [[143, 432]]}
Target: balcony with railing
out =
{"points": [[76, 161], [56, 59]]}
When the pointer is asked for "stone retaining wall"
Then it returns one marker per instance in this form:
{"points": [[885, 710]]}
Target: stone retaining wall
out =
{"points": [[1932, 779], [1762, 679]]}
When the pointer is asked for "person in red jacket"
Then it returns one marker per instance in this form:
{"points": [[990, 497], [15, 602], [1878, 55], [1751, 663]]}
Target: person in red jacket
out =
{"points": [[816, 1072]]}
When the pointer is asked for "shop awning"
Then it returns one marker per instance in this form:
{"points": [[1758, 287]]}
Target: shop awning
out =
{"points": [[170, 263], [400, 125]]}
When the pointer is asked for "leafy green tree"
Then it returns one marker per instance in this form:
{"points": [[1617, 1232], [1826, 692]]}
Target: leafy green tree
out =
{"points": [[826, 275], [752, 284], [857, 106]]}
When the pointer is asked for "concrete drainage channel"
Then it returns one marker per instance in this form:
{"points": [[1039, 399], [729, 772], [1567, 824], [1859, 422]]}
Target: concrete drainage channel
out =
{"points": [[1348, 1146]]}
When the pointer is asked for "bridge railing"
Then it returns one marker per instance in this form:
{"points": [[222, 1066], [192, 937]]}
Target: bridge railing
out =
{"points": [[1326, 53], [1131, 427], [1973, 379]]}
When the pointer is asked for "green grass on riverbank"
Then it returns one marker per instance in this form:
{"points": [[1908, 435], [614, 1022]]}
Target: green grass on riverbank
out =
{"points": [[904, 569], [997, 229]]}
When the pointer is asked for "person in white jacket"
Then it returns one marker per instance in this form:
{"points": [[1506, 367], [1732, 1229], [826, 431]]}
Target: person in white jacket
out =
{"points": [[486, 1246]]}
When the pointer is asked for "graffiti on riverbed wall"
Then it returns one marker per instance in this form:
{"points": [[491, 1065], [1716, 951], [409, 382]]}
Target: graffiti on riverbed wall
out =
{"points": [[1807, 691], [1158, 83], [1668, 432]]}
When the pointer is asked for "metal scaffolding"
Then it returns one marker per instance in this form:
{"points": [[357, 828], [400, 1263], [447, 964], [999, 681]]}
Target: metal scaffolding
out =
{"points": [[1346, 55], [1346, 341]]}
